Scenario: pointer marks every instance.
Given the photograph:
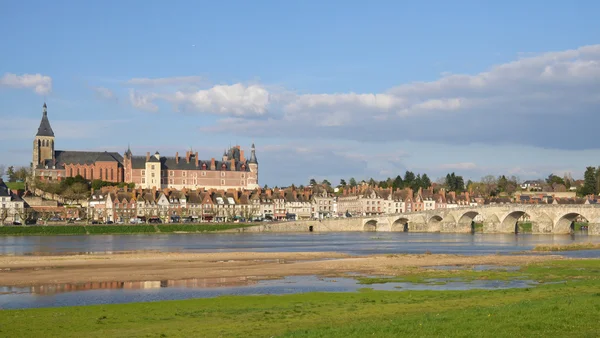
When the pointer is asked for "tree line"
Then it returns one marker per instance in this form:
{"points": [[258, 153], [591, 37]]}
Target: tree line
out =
{"points": [[452, 182]]}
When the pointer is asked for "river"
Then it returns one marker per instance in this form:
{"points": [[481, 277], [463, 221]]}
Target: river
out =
{"points": [[355, 243]]}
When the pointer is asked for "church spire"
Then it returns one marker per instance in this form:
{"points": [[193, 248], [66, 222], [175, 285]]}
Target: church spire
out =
{"points": [[253, 155], [45, 129]]}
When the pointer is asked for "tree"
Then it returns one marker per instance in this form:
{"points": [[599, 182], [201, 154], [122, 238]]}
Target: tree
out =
{"points": [[372, 182], [2, 170], [398, 183], [589, 182], [425, 181], [552, 179], [409, 177], [352, 182], [10, 172], [312, 182], [326, 183], [343, 182], [416, 183]]}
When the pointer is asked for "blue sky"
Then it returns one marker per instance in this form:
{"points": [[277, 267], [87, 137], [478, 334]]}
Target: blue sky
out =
{"points": [[326, 89]]}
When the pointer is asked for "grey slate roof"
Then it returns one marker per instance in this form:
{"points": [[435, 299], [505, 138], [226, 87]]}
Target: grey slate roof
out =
{"points": [[139, 162], [4, 191], [253, 156], [45, 129], [82, 157]]}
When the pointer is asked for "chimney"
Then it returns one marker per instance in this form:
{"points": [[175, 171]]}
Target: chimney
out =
{"points": [[187, 156], [212, 164], [232, 167], [268, 192], [242, 159], [147, 156], [177, 158], [196, 159]]}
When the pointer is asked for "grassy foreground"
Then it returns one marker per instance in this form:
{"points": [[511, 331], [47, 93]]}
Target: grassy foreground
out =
{"points": [[115, 229], [568, 309]]}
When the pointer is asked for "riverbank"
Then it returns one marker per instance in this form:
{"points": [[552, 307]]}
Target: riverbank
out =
{"points": [[52, 230], [566, 308], [157, 266]]}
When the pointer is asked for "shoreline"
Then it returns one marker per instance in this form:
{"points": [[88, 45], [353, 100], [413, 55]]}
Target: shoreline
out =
{"points": [[25, 271]]}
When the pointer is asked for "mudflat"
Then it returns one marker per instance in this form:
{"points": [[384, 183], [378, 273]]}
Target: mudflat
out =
{"points": [[38, 270]]}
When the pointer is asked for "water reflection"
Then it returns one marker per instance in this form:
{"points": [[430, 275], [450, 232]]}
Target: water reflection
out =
{"points": [[349, 242], [48, 289], [127, 292]]}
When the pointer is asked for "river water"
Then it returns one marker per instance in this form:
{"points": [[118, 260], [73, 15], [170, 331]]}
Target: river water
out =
{"points": [[356, 243], [350, 242]]}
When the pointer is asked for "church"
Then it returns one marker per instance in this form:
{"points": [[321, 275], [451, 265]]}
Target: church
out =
{"points": [[232, 171]]}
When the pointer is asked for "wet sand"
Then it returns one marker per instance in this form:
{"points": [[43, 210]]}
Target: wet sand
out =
{"points": [[38, 270]]}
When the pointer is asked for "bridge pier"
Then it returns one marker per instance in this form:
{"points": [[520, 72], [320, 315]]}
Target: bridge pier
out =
{"points": [[593, 228], [542, 227]]}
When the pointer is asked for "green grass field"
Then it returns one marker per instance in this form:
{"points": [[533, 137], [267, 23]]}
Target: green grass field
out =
{"points": [[115, 229], [15, 185], [568, 309]]}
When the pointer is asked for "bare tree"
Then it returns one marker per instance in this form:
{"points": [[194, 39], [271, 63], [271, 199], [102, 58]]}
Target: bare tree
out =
{"points": [[3, 215]]}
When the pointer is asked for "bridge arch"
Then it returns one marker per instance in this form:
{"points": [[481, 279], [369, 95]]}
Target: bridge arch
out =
{"points": [[434, 223], [511, 223], [466, 220], [370, 225], [566, 223], [400, 224]]}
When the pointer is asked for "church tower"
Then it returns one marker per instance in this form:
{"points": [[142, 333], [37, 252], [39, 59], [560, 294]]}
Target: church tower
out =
{"points": [[43, 144], [253, 166]]}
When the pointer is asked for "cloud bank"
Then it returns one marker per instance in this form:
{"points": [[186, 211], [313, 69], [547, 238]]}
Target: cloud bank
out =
{"points": [[41, 84]]}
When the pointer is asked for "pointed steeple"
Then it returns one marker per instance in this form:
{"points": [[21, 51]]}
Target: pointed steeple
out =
{"points": [[128, 152], [253, 155], [45, 129]]}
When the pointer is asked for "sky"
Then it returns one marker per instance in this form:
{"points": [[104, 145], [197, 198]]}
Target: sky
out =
{"points": [[325, 89]]}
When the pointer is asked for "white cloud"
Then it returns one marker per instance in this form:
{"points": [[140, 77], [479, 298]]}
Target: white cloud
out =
{"points": [[41, 84], [231, 100], [143, 101], [532, 101], [164, 81], [104, 93]]}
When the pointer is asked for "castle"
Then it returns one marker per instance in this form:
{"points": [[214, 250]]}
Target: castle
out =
{"points": [[232, 171]]}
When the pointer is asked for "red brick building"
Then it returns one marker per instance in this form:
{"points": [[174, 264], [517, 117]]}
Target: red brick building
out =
{"points": [[232, 171]]}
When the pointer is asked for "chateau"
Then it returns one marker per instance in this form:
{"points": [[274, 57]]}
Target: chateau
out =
{"points": [[231, 171]]}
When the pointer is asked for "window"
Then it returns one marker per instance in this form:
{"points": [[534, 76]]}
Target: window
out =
{"points": [[243, 175], [184, 182], [243, 182], [143, 172], [152, 176], [171, 180], [152, 167], [222, 174], [204, 173], [184, 173], [222, 182], [171, 173]]}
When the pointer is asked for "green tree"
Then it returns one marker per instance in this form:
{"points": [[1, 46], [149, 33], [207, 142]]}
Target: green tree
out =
{"points": [[10, 172], [589, 182], [372, 182], [326, 183], [343, 182], [416, 183], [425, 181], [352, 182], [398, 183], [312, 181], [409, 177]]}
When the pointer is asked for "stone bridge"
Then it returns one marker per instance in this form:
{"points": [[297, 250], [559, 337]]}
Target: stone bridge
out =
{"points": [[501, 218]]}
